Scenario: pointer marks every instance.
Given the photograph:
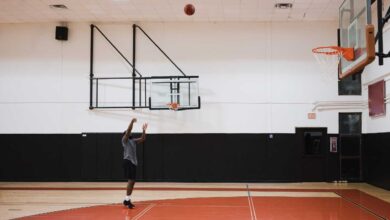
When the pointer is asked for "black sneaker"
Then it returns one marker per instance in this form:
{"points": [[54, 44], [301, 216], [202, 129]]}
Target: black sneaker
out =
{"points": [[126, 203], [130, 205]]}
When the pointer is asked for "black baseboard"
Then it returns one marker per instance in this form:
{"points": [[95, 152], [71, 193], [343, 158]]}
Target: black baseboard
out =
{"points": [[377, 159]]}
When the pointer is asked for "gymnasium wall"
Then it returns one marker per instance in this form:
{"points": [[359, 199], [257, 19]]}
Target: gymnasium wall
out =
{"points": [[254, 77]]}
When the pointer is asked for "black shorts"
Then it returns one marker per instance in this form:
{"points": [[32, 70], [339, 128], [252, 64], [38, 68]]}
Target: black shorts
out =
{"points": [[130, 170]]}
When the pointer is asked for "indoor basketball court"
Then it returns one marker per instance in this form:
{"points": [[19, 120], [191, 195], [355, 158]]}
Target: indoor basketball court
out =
{"points": [[204, 109]]}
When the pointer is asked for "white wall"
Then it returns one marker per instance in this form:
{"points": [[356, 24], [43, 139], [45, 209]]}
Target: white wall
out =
{"points": [[373, 73], [254, 77]]}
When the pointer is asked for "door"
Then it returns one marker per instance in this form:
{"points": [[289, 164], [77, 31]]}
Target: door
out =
{"points": [[312, 144]]}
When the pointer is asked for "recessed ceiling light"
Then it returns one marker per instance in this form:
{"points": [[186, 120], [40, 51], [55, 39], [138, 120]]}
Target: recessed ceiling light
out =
{"points": [[283, 5], [59, 6]]}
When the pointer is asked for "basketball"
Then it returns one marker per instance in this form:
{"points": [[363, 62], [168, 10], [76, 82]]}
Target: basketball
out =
{"points": [[189, 9]]}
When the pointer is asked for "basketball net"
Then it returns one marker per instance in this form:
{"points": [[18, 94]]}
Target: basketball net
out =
{"points": [[328, 59]]}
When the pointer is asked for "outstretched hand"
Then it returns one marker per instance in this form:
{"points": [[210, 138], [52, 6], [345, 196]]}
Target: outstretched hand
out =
{"points": [[134, 120], [145, 126]]}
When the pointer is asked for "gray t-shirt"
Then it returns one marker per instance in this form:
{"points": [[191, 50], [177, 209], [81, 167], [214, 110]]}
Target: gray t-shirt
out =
{"points": [[130, 150]]}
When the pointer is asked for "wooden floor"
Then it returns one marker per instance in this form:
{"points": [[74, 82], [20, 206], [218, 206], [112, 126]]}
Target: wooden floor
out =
{"points": [[26, 199]]}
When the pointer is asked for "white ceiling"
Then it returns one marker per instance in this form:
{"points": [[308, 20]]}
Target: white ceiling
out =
{"points": [[24, 11]]}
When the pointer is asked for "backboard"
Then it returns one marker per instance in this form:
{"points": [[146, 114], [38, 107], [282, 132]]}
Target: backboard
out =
{"points": [[182, 91], [357, 32]]}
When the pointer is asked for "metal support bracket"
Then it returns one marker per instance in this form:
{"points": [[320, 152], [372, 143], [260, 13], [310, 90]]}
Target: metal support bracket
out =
{"points": [[379, 36]]}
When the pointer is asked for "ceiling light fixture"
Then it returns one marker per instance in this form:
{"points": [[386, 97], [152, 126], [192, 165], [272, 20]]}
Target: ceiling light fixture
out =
{"points": [[283, 5], [59, 6]]}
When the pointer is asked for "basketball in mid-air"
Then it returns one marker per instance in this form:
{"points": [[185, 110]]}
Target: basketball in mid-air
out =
{"points": [[189, 9]]}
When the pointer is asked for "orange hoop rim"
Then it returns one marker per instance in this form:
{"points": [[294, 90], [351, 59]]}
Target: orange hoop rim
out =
{"points": [[347, 53], [334, 50]]}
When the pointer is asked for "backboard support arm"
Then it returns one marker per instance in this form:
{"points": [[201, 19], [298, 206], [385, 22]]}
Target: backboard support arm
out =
{"points": [[379, 36], [136, 78]]}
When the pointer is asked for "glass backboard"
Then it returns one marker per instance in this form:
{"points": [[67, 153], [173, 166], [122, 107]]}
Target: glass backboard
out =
{"points": [[181, 91]]}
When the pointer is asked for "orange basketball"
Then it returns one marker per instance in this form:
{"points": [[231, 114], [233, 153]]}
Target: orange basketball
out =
{"points": [[189, 9]]}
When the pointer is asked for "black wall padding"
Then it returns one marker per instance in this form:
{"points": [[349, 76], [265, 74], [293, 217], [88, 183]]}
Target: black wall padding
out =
{"points": [[71, 157], [377, 159], [163, 157]]}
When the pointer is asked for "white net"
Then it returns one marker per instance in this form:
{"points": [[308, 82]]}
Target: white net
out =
{"points": [[328, 59]]}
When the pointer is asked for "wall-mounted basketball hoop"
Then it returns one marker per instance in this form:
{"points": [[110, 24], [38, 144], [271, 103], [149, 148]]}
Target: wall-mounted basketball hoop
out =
{"points": [[328, 58], [355, 32], [173, 106]]}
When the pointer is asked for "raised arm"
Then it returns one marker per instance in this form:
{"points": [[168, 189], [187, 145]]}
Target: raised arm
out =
{"points": [[143, 136], [128, 131]]}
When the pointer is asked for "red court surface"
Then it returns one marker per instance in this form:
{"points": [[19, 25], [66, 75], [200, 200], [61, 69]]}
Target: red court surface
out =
{"points": [[350, 205]]}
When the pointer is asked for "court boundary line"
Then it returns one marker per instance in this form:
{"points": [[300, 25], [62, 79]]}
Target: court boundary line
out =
{"points": [[250, 208], [362, 207], [70, 209], [169, 189], [143, 212], [251, 204]]}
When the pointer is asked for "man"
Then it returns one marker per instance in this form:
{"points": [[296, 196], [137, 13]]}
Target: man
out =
{"points": [[129, 144]]}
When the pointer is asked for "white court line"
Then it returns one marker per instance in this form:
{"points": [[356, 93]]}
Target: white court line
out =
{"points": [[211, 206], [360, 206], [148, 208], [250, 208], [296, 194], [251, 205]]}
